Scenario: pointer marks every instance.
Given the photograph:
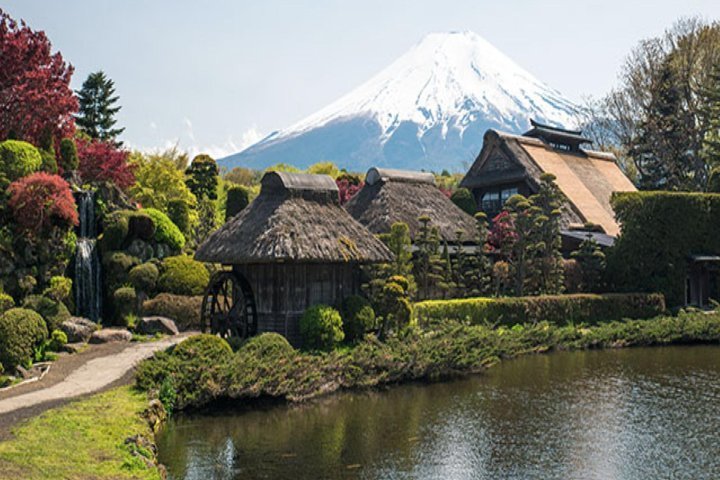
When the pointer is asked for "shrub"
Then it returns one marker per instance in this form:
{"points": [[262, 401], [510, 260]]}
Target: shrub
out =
{"points": [[41, 201], [266, 345], [58, 339], [185, 311], [53, 312], [358, 317], [17, 159], [116, 266], [49, 164], [124, 303], [238, 198], [68, 155], [463, 198], [116, 227], [6, 302], [557, 309], [713, 183], [60, 290], [179, 214], [165, 230], [660, 230], [182, 275], [144, 277], [321, 328], [21, 330], [201, 177]]}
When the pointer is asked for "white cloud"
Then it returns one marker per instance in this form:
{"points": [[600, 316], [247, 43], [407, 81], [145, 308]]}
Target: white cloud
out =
{"points": [[153, 125]]}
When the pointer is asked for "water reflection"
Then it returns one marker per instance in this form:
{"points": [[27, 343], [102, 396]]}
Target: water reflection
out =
{"points": [[625, 414]]}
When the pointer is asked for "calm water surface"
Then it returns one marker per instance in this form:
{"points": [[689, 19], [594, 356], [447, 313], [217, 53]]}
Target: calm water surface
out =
{"points": [[614, 414]]}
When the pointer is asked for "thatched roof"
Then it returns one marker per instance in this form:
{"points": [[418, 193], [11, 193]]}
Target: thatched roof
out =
{"points": [[391, 196], [586, 177], [296, 218]]}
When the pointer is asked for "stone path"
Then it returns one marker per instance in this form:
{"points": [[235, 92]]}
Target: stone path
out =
{"points": [[90, 377]]}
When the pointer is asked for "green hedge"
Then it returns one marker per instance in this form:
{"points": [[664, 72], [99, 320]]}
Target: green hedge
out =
{"points": [[659, 231], [557, 309]]}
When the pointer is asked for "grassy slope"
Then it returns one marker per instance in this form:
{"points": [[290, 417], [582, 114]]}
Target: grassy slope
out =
{"points": [[82, 440]]}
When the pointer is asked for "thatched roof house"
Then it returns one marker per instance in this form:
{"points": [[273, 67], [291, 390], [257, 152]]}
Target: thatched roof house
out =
{"points": [[296, 218], [510, 164], [293, 247], [391, 196]]}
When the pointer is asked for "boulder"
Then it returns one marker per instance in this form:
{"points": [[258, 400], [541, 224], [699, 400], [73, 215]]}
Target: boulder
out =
{"points": [[78, 329], [107, 335], [152, 325]]}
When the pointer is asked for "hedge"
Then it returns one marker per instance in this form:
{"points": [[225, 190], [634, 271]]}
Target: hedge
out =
{"points": [[557, 309], [660, 230]]}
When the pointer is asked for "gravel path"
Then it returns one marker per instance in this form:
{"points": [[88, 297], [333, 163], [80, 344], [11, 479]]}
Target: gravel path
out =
{"points": [[95, 370]]}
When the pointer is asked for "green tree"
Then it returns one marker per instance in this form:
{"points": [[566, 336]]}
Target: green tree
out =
{"points": [[158, 182], [592, 262], [711, 111], [521, 258], [68, 155], [548, 202], [463, 198], [399, 243], [238, 198], [477, 276], [98, 107], [202, 177], [324, 168], [428, 265]]}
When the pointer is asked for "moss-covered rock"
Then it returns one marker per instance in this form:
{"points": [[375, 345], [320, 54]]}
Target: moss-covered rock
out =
{"points": [[21, 330], [182, 275]]}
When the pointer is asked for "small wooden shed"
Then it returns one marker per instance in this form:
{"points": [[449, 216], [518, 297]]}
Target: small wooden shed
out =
{"points": [[293, 247]]}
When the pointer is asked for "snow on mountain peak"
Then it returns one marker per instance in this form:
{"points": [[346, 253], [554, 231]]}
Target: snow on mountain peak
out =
{"points": [[449, 79]]}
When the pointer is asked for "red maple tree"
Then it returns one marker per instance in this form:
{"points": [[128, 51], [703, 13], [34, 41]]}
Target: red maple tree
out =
{"points": [[41, 201], [502, 235], [35, 93], [104, 162]]}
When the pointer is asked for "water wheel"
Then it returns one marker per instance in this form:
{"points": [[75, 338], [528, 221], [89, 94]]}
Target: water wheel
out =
{"points": [[228, 308]]}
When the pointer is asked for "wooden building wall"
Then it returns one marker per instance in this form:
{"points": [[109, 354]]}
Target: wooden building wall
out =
{"points": [[284, 291]]}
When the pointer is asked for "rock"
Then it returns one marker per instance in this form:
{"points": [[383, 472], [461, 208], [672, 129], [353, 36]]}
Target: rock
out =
{"points": [[152, 325], [74, 347], [78, 329], [107, 335]]}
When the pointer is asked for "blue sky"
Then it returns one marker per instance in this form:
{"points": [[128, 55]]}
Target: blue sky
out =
{"points": [[215, 75]]}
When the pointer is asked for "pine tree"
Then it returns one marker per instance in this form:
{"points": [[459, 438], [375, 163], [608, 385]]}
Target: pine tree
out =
{"points": [[523, 252], [478, 275], [202, 177], [97, 101], [548, 202], [592, 262], [428, 265]]}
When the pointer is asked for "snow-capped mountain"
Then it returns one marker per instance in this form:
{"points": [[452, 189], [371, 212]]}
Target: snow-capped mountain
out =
{"points": [[428, 110]]}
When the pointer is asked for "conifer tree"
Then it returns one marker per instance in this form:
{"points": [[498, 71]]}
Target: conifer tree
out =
{"points": [[202, 177], [592, 262], [478, 275], [523, 250], [428, 264], [548, 202], [711, 112], [98, 107]]}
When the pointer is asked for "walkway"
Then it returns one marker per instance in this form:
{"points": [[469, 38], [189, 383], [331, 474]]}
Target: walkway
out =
{"points": [[90, 376]]}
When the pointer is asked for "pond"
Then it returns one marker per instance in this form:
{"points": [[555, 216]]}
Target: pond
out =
{"points": [[614, 414]]}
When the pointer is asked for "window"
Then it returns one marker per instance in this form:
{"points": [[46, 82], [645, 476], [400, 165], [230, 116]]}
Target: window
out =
{"points": [[507, 193]]}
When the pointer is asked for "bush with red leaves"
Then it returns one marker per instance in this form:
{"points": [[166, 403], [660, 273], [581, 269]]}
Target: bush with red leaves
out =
{"points": [[35, 94], [347, 189], [42, 201], [502, 235], [104, 162]]}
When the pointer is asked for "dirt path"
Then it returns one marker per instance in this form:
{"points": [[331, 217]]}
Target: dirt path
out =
{"points": [[77, 375]]}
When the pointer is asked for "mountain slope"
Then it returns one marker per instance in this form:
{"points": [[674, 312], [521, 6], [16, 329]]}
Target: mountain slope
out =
{"points": [[428, 110]]}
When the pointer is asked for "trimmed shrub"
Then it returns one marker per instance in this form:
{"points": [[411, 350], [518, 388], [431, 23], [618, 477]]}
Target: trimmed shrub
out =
{"points": [[141, 225], [60, 290], [116, 266], [182, 275], [144, 277], [713, 184], [124, 303], [21, 330], [49, 164], [358, 317], [185, 311], [321, 328], [53, 312], [660, 230], [557, 309], [6, 302], [57, 340], [116, 227], [238, 198], [179, 214], [266, 345], [165, 230], [68, 155], [17, 159], [463, 198]]}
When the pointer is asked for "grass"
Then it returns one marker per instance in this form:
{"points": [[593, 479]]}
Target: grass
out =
{"points": [[82, 440]]}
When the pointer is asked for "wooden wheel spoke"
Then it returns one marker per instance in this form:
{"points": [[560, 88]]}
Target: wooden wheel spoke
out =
{"points": [[224, 310]]}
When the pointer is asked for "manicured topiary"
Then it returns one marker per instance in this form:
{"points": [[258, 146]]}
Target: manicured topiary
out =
{"points": [[53, 312], [209, 348], [179, 214], [144, 277], [115, 230], [238, 198], [267, 344], [463, 198], [21, 330], [58, 339], [184, 310], [182, 275], [60, 289], [165, 230], [321, 328], [49, 164], [124, 303], [6, 302], [116, 267], [358, 317], [68, 155], [18, 159]]}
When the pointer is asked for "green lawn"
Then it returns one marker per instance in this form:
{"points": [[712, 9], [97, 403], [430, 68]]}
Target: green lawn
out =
{"points": [[82, 440]]}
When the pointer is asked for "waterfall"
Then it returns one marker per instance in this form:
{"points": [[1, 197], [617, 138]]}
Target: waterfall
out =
{"points": [[87, 261]]}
